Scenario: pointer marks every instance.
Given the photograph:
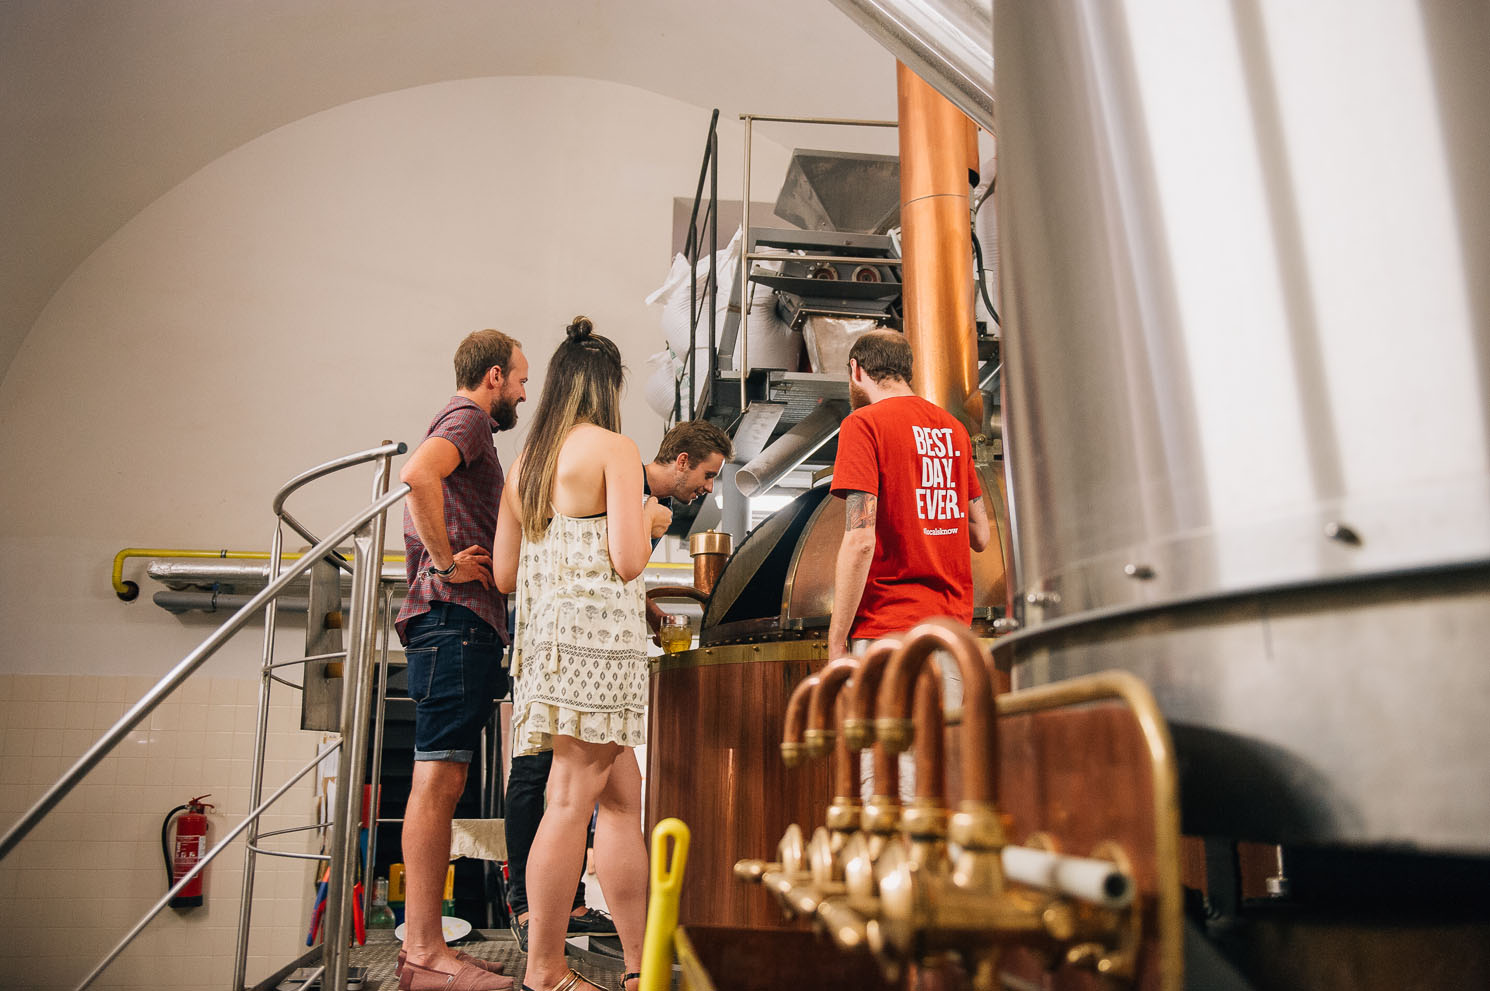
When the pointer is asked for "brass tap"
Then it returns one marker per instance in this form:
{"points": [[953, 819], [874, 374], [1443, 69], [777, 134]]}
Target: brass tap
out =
{"points": [[927, 914], [932, 905], [896, 886], [788, 878]]}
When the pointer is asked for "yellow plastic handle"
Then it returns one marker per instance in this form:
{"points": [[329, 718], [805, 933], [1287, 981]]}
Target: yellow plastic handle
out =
{"points": [[662, 908]]}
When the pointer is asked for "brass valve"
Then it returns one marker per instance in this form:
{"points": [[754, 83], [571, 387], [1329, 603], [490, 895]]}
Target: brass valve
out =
{"points": [[928, 909]]}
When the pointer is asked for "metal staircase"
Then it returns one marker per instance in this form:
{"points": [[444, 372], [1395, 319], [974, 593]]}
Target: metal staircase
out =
{"points": [[353, 709]]}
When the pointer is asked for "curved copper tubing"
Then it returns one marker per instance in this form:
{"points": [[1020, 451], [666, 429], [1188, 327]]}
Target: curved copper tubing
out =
{"points": [[655, 613], [845, 776], [831, 680], [937, 247], [980, 728], [860, 706], [930, 747], [796, 720], [865, 684], [820, 711]]}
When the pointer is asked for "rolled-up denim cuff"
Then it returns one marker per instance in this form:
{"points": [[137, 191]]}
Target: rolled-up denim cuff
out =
{"points": [[452, 756]]}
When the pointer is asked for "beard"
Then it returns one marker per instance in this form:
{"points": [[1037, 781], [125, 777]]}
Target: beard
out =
{"points": [[503, 415], [857, 397]]}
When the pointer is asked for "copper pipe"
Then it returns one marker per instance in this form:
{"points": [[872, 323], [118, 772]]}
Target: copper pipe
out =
{"points": [[831, 680], [654, 612], [845, 785], [820, 735], [858, 724], [796, 720], [979, 727], [930, 747], [863, 688], [709, 550], [936, 243]]}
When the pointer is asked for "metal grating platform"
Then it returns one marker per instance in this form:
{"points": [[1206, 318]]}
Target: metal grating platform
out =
{"points": [[381, 954]]}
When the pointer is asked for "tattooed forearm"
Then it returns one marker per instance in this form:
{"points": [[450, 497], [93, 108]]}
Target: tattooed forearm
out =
{"points": [[859, 510]]}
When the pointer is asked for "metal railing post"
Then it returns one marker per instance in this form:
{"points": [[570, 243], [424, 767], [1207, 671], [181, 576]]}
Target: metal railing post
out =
{"points": [[256, 781], [744, 336], [375, 772], [713, 253], [367, 576]]}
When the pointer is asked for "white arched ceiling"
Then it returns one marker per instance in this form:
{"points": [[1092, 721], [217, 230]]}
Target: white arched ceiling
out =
{"points": [[106, 106]]}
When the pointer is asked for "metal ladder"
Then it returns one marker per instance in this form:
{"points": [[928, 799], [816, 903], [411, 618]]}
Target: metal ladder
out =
{"points": [[367, 530]]}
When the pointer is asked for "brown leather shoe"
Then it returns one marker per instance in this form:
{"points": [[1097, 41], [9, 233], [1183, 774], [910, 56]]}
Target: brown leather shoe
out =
{"points": [[467, 977], [495, 966]]}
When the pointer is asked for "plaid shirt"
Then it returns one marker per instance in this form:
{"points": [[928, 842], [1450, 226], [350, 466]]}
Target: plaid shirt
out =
{"points": [[473, 492]]}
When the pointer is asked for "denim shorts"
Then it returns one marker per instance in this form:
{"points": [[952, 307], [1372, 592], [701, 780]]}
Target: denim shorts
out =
{"points": [[455, 671]]}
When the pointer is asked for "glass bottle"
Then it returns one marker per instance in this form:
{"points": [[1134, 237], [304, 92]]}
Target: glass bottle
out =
{"points": [[381, 916]]}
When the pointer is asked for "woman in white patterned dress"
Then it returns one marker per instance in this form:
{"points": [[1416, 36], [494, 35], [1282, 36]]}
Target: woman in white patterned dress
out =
{"points": [[573, 536]]}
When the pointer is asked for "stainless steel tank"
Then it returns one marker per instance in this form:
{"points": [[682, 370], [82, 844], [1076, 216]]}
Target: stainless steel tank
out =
{"points": [[1246, 289]]}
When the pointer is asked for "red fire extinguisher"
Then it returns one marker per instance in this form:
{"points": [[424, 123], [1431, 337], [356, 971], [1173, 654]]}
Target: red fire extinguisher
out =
{"points": [[191, 843]]}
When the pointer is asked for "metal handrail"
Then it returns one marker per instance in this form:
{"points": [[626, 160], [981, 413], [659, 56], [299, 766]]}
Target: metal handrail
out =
{"points": [[368, 547], [692, 251], [387, 450], [367, 528], [201, 865], [179, 673], [353, 696]]}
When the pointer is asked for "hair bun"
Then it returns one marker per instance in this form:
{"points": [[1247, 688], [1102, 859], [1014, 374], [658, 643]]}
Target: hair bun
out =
{"points": [[580, 329]]}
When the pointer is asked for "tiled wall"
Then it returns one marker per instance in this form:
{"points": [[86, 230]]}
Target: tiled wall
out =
{"points": [[82, 879]]}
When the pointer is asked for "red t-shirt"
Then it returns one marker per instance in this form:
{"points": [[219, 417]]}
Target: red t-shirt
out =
{"points": [[917, 459]]}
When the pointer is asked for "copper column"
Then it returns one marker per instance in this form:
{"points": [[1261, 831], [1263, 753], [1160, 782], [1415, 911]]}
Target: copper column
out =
{"points": [[937, 142]]}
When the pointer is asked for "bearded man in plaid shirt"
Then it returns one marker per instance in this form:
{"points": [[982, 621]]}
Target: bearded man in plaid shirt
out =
{"points": [[453, 625]]}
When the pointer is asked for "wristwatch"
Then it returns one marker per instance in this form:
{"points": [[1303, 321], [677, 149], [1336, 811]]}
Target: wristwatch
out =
{"points": [[446, 573]]}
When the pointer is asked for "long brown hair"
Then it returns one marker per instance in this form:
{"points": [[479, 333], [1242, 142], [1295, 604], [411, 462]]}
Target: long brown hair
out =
{"points": [[582, 385]]}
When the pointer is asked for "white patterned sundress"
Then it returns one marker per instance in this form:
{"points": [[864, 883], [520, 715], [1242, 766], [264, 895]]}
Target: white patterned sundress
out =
{"points": [[579, 666]]}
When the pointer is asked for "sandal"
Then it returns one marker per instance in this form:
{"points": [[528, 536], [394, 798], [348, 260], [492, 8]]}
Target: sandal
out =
{"points": [[468, 977], [572, 981], [495, 966], [629, 977]]}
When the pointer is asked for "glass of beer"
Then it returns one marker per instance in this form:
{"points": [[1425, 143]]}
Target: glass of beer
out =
{"points": [[674, 634]]}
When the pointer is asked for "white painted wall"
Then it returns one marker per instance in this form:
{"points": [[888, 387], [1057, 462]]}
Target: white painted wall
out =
{"points": [[296, 300], [301, 298]]}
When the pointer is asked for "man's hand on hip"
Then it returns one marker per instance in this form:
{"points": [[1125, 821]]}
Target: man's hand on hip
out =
{"points": [[472, 565]]}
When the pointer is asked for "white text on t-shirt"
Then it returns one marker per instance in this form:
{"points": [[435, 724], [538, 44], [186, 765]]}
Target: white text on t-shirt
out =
{"points": [[936, 498]]}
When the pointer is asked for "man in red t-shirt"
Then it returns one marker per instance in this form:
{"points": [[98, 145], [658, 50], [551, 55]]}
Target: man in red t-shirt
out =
{"points": [[913, 503]]}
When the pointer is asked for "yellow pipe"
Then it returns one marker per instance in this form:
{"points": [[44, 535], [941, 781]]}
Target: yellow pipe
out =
{"points": [[128, 591]]}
